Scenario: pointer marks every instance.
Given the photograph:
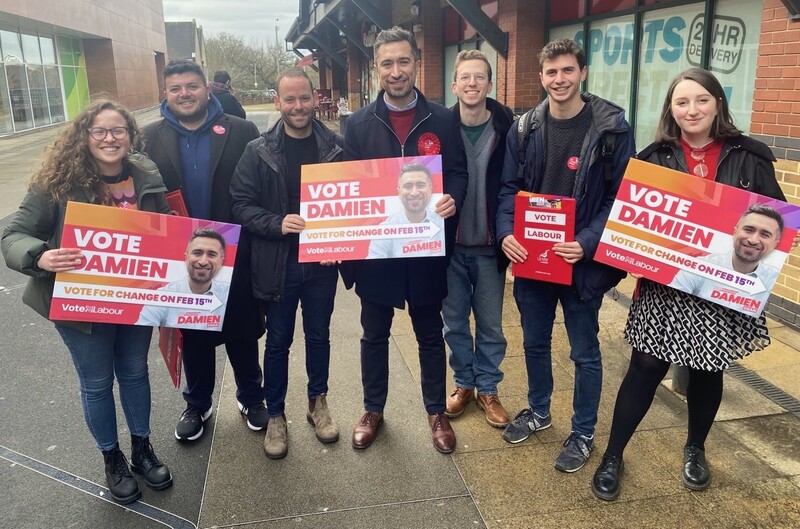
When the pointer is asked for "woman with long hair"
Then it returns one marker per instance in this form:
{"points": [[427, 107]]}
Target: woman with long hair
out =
{"points": [[695, 135], [95, 160]]}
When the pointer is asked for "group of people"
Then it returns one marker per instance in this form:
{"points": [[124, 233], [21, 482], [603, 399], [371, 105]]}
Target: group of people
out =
{"points": [[573, 144]]}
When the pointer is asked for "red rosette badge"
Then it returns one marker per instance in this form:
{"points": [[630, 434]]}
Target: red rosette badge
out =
{"points": [[429, 144]]}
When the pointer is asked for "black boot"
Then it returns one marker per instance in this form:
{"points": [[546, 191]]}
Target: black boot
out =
{"points": [[145, 462], [696, 474], [120, 482], [605, 483]]}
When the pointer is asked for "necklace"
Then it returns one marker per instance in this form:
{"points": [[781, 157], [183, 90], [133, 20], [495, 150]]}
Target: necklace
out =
{"points": [[698, 154]]}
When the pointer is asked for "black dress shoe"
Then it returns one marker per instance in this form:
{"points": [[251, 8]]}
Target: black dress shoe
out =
{"points": [[605, 483], [695, 475]]}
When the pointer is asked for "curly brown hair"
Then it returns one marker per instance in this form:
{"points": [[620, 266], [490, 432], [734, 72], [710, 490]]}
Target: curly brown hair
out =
{"points": [[68, 165]]}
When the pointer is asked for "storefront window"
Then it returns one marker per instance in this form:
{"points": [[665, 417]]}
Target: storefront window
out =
{"points": [[30, 47], [6, 123], [610, 58], [668, 48], [12, 49], [734, 55]]}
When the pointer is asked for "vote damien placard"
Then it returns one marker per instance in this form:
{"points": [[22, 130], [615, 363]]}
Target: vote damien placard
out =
{"points": [[681, 230], [134, 271], [356, 210]]}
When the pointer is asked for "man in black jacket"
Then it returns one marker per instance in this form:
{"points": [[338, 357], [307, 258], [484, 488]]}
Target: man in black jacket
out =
{"points": [[266, 201], [401, 122], [196, 148], [476, 277]]}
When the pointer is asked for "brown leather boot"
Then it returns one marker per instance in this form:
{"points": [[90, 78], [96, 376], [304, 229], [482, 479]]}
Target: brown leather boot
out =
{"points": [[367, 429], [496, 415], [457, 402]]}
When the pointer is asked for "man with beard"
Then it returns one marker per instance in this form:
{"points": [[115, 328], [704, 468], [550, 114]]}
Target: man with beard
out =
{"points": [[265, 193], [401, 122], [756, 234], [196, 148], [204, 257]]}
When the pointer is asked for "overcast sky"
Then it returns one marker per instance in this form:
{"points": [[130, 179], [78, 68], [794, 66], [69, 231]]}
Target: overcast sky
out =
{"points": [[247, 18]]}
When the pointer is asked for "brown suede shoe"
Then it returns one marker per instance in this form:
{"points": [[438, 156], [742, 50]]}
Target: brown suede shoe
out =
{"points": [[444, 438], [367, 429], [496, 415], [457, 402]]}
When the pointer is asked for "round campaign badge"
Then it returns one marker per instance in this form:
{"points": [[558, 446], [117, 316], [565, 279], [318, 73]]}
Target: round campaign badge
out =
{"points": [[572, 163], [429, 144], [219, 129]]}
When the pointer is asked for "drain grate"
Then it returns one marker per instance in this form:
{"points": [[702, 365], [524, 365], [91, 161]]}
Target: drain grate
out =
{"points": [[763, 387]]}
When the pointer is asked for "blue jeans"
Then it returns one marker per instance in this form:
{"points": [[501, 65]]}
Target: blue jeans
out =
{"points": [[111, 350], [473, 283], [314, 287], [537, 302]]}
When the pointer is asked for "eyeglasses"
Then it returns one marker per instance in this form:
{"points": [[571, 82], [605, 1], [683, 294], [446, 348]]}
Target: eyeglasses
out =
{"points": [[479, 78], [99, 133]]}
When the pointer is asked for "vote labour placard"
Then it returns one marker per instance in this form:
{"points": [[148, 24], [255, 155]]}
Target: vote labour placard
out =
{"points": [[136, 268], [715, 241], [539, 222], [371, 209]]}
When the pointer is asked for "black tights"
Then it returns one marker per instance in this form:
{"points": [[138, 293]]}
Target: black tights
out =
{"points": [[635, 396]]}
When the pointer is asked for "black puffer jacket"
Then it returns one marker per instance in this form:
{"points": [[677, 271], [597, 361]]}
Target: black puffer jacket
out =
{"points": [[260, 201], [743, 162]]}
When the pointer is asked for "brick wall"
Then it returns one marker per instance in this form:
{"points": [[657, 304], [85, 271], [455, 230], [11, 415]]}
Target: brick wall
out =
{"points": [[517, 78], [431, 43], [776, 122]]}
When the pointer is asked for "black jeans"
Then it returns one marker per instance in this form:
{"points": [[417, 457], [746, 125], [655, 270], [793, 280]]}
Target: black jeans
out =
{"points": [[376, 321], [199, 366]]}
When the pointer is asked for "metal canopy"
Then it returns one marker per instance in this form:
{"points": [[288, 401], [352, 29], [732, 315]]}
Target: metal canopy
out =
{"points": [[377, 17], [486, 28]]}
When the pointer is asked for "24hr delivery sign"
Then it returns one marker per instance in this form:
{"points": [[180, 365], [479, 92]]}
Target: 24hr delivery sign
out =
{"points": [[715, 241], [135, 269], [371, 209]]}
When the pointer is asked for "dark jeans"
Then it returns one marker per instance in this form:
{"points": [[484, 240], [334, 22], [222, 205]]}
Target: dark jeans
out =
{"points": [[376, 320], [313, 286], [199, 365], [537, 301]]}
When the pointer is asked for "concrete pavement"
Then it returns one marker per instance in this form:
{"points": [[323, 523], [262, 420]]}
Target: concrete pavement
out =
{"points": [[52, 476]]}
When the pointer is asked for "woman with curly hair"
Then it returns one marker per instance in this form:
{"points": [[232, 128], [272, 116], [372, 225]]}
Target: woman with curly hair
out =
{"points": [[95, 160]]}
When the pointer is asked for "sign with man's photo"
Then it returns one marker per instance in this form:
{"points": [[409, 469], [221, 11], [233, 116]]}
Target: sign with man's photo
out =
{"points": [[717, 242], [145, 268], [371, 209]]}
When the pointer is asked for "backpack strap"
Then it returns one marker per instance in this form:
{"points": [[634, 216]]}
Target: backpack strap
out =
{"points": [[523, 136]]}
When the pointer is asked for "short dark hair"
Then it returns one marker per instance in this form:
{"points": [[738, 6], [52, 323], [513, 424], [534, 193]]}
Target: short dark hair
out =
{"points": [[222, 77], [178, 66], [208, 233], [293, 72], [396, 34], [767, 211], [415, 168], [556, 48], [668, 130]]}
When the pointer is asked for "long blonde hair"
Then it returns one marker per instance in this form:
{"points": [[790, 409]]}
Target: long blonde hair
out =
{"points": [[68, 165]]}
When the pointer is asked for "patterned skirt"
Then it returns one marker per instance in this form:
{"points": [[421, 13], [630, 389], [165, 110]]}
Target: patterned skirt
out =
{"points": [[685, 330]]}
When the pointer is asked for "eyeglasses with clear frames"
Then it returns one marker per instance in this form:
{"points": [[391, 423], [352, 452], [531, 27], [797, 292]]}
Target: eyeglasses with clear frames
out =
{"points": [[99, 133], [479, 78]]}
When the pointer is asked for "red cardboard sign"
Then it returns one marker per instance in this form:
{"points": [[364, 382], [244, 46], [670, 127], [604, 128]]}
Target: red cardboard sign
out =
{"points": [[539, 222]]}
